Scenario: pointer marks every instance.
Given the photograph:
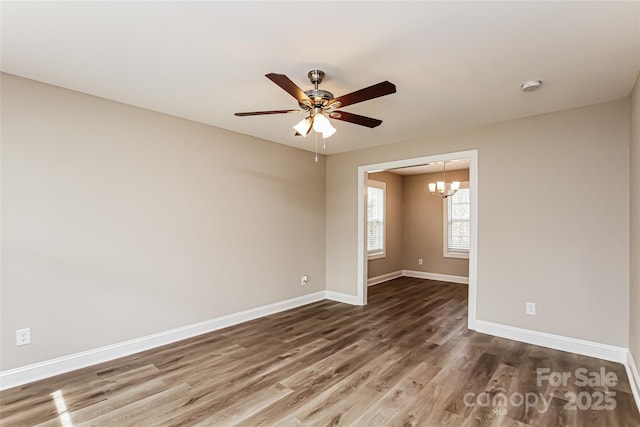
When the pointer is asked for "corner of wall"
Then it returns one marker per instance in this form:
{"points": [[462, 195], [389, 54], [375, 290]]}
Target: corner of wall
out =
{"points": [[634, 226]]}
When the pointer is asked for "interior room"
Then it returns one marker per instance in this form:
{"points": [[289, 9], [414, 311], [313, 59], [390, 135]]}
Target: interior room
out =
{"points": [[415, 231], [236, 213]]}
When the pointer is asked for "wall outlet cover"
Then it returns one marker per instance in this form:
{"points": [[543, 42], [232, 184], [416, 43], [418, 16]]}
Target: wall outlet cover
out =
{"points": [[530, 308], [23, 336]]}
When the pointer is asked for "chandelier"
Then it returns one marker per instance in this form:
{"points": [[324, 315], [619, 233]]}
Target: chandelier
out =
{"points": [[440, 187]]}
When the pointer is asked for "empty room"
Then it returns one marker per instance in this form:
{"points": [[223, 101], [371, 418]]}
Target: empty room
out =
{"points": [[293, 213]]}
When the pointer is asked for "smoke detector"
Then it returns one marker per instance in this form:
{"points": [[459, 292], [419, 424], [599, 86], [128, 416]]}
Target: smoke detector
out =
{"points": [[530, 85]]}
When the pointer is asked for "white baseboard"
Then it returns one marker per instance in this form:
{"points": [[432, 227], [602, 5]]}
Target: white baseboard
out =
{"points": [[345, 298], [417, 275], [435, 276], [634, 377], [37, 371], [371, 281], [557, 342]]}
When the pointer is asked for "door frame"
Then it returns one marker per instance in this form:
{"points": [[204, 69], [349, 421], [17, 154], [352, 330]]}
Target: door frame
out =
{"points": [[472, 155]]}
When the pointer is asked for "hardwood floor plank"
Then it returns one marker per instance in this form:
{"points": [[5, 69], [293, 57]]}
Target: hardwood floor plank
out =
{"points": [[353, 370], [235, 414], [398, 397], [327, 364], [334, 403], [144, 411], [127, 396], [430, 402]]}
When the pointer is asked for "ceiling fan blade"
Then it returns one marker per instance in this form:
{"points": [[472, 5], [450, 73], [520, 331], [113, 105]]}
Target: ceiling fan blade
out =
{"points": [[290, 87], [355, 119], [375, 91], [262, 113]]}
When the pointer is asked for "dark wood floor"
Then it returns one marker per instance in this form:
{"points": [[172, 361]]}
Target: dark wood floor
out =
{"points": [[405, 359]]}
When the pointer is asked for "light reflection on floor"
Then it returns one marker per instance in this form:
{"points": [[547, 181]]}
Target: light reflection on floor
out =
{"points": [[61, 406]]}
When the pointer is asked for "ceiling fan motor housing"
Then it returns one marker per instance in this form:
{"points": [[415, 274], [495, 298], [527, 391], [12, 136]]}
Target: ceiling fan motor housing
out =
{"points": [[318, 96]]}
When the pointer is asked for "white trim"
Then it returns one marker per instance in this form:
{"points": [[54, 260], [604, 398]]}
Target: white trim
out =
{"points": [[345, 298], [60, 365], [371, 281], [455, 254], [473, 251], [557, 342], [417, 275], [376, 255], [363, 255], [435, 276], [361, 274], [634, 377]]}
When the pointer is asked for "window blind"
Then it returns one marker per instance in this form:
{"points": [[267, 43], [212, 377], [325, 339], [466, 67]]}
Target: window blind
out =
{"points": [[375, 219]]}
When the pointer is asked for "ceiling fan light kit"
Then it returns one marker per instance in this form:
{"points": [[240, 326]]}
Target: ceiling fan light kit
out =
{"points": [[321, 125], [321, 104]]}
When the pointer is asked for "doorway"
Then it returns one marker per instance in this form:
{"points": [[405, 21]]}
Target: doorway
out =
{"points": [[363, 171]]}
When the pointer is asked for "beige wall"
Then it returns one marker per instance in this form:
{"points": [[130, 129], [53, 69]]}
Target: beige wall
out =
{"points": [[119, 222], [423, 226], [393, 226], [553, 218], [634, 291]]}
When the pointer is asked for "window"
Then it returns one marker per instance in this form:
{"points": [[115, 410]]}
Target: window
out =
{"points": [[375, 219], [457, 223]]}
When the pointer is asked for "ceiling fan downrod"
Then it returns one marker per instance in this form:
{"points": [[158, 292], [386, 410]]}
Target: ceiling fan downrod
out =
{"points": [[316, 77]]}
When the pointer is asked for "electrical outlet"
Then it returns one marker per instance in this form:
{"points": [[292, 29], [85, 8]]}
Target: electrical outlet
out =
{"points": [[304, 280], [420, 261], [530, 308], [23, 336]]}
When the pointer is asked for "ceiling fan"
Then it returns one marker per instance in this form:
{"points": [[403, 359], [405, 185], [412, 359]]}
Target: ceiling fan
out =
{"points": [[318, 102]]}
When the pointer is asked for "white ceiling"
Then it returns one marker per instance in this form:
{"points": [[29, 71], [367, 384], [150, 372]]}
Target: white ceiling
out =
{"points": [[455, 64]]}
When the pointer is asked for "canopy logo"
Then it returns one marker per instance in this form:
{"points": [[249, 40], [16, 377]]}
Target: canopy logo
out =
{"points": [[500, 400], [596, 400]]}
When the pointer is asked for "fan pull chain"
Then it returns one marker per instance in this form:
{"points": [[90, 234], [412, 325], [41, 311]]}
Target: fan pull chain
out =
{"points": [[316, 146]]}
